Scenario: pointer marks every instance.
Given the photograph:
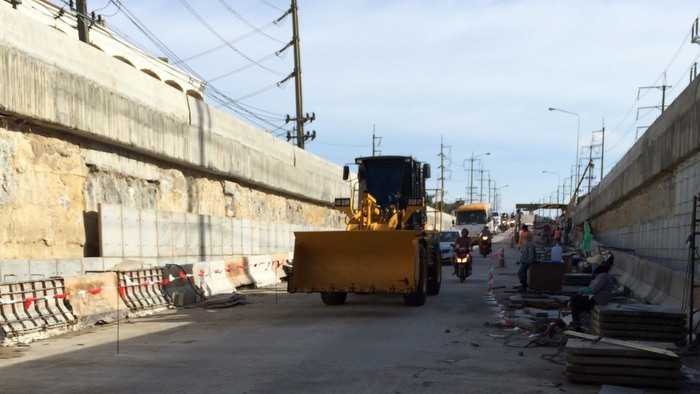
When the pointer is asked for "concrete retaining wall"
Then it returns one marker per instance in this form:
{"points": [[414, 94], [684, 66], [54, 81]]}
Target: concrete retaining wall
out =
{"points": [[644, 204], [79, 128]]}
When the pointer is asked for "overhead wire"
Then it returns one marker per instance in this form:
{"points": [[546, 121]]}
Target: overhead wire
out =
{"points": [[245, 21], [212, 92], [203, 22], [272, 5], [224, 45]]}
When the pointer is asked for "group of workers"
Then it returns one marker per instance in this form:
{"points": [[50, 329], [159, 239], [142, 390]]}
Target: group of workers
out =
{"points": [[602, 285]]}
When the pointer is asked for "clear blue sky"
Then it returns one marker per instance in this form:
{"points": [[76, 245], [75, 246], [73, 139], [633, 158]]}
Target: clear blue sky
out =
{"points": [[479, 73]]}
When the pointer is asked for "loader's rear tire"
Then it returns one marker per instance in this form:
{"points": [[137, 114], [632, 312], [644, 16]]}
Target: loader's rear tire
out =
{"points": [[435, 279], [418, 297], [335, 298]]}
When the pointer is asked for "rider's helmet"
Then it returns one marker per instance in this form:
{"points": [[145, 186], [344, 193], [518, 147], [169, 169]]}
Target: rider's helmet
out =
{"points": [[465, 232]]}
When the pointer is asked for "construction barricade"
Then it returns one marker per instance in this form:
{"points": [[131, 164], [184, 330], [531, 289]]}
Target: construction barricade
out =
{"points": [[142, 290], [33, 309], [94, 298]]}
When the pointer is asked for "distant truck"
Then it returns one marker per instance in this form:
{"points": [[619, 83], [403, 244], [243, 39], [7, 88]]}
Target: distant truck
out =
{"points": [[473, 217]]}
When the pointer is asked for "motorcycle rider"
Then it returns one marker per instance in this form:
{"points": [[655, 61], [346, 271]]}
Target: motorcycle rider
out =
{"points": [[462, 241], [485, 232]]}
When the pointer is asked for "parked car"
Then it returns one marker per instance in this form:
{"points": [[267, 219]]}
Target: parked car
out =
{"points": [[447, 240]]}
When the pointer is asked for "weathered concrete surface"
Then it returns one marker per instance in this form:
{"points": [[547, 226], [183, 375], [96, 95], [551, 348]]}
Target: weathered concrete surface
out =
{"points": [[84, 128], [643, 206], [51, 188], [70, 85], [294, 344]]}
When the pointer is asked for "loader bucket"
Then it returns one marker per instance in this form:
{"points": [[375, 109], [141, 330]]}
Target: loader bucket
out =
{"points": [[355, 262]]}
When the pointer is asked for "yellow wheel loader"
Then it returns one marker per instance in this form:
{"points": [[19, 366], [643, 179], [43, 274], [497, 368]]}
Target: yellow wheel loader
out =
{"points": [[384, 248]]}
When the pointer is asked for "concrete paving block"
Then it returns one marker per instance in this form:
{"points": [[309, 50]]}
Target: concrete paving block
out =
{"points": [[111, 240], [69, 267], [165, 233], [93, 264], [42, 269], [178, 227], [132, 232], [14, 270], [227, 236], [149, 233]]}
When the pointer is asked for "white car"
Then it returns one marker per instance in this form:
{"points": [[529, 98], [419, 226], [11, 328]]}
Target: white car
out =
{"points": [[447, 240]]}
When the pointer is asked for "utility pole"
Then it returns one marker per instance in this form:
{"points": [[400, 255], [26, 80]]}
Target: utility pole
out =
{"points": [[489, 188], [471, 179], [376, 141], [83, 21], [481, 181], [301, 118], [663, 87]]}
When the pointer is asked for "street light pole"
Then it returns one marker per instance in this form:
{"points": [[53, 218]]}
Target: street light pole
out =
{"points": [[578, 135]]}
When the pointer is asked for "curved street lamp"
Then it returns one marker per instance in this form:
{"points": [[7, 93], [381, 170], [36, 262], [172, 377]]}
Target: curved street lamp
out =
{"points": [[578, 134]]}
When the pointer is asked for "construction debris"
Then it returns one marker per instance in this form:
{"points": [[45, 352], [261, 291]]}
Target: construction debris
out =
{"points": [[639, 321], [607, 363]]}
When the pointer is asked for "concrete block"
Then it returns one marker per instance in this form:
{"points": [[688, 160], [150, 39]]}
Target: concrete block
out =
{"points": [[110, 263], [195, 234], [149, 233], [179, 229], [165, 234], [217, 236], [42, 269], [237, 236], [132, 232], [246, 237], [90, 306], [110, 223], [69, 267], [14, 270], [255, 237], [93, 264], [227, 236]]}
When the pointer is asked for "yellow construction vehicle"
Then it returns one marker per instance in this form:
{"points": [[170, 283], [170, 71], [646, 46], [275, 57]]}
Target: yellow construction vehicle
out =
{"points": [[384, 248]]}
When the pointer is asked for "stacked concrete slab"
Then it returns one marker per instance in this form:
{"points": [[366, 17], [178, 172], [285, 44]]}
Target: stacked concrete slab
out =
{"points": [[601, 363]]}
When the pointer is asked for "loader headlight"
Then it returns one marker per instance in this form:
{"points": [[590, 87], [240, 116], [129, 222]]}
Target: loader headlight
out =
{"points": [[341, 202]]}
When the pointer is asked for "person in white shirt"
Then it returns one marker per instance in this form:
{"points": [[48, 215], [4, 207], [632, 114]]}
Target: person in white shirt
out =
{"points": [[555, 255]]}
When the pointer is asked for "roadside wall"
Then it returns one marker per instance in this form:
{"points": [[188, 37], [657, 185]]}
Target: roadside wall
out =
{"points": [[644, 204], [79, 128]]}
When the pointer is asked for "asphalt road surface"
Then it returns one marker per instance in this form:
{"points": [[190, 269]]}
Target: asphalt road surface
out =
{"points": [[282, 343]]}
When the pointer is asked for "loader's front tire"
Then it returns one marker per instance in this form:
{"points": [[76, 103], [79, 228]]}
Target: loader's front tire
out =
{"points": [[418, 297], [335, 298]]}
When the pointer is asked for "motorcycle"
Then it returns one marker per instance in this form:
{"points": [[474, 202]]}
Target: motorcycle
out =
{"points": [[484, 245], [463, 261]]}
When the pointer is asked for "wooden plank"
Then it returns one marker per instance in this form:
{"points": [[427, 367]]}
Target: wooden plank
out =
{"points": [[609, 370], [618, 342], [623, 361], [581, 347], [646, 335], [675, 329], [634, 381]]}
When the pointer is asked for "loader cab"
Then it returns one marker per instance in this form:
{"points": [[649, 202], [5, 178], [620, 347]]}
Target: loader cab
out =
{"points": [[397, 180]]}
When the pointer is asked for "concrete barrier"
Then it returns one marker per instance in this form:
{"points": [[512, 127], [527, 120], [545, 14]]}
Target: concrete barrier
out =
{"points": [[94, 297]]}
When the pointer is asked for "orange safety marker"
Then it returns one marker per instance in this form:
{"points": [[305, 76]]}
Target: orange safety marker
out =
{"points": [[28, 302], [95, 291]]}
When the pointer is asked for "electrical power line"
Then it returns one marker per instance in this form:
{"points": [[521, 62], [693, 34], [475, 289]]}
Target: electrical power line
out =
{"points": [[212, 92], [225, 44], [191, 10], [245, 21]]}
